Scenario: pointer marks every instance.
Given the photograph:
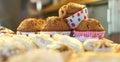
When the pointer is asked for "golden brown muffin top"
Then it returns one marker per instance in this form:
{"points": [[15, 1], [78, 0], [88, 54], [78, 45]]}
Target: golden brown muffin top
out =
{"points": [[70, 9], [55, 23], [31, 25], [90, 25]]}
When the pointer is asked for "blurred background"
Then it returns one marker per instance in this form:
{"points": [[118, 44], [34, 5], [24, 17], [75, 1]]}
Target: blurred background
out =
{"points": [[12, 12]]}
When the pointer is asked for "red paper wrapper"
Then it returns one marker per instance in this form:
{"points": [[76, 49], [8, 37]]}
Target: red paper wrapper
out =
{"points": [[83, 35]]}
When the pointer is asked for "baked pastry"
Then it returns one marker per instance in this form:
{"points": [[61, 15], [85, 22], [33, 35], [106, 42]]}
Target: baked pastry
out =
{"points": [[9, 47], [105, 45], [71, 42], [59, 46], [102, 45], [89, 24], [31, 25], [90, 44], [55, 23], [26, 41], [41, 40], [96, 57], [5, 30], [38, 55], [70, 9], [116, 48], [65, 50]]}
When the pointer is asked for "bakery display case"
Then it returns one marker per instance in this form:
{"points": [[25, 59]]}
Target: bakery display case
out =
{"points": [[71, 36]]}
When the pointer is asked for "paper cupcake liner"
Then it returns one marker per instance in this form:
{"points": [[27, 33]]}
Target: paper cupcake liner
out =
{"points": [[75, 19], [82, 36], [51, 33], [26, 33]]}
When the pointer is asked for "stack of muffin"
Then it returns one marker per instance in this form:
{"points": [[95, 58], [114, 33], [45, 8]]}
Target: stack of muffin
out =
{"points": [[72, 20]]}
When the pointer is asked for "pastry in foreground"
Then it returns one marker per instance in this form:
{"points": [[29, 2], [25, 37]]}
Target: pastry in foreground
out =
{"points": [[116, 48], [66, 51], [90, 44], [105, 45], [96, 45], [5, 30], [70, 41], [41, 40], [9, 47], [26, 41], [38, 55], [96, 57]]}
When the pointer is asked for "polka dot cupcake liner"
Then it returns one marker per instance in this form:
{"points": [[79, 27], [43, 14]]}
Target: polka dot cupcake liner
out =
{"points": [[82, 36], [51, 33], [75, 19]]}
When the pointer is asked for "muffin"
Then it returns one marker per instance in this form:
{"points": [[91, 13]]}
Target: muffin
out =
{"points": [[89, 24], [70, 9], [73, 14], [30, 25], [89, 28], [56, 25]]}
